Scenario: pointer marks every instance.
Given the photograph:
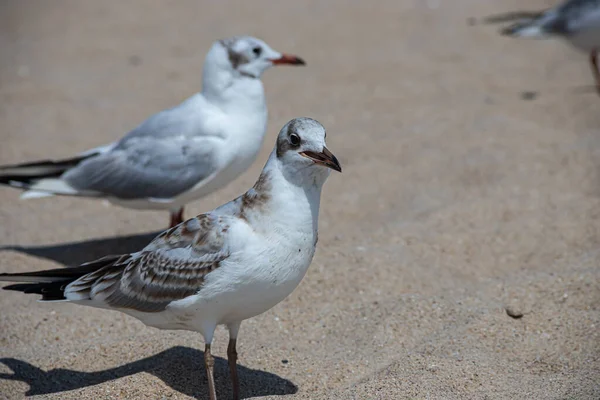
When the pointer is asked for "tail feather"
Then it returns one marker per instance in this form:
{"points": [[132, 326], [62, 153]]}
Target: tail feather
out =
{"points": [[524, 29], [512, 16], [24, 176], [50, 291], [32, 194], [536, 24], [51, 283]]}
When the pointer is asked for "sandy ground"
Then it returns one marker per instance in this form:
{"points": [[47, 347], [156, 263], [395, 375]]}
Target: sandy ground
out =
{"points": [[459, 199]]}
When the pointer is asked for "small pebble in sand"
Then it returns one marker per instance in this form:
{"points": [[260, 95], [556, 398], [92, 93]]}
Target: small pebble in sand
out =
{"points": [[432, 368], [513, 312], [529, 95]]}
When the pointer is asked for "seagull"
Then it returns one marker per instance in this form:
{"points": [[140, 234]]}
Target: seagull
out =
{"points": [[577, 21], [222, 267], [177, 155]]}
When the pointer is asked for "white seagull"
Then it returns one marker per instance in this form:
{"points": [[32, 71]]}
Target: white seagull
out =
{"points": [[177, 155], [577, 21], [221, 267]]}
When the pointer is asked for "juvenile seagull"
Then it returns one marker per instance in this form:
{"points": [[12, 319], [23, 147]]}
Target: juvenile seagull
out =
{"points": [[180, 154], [578, 21], [221, 267]]}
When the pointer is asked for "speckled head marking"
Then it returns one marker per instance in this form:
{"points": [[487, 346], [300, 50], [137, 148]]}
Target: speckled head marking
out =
{"points": [[287, 139], [302, 152]]}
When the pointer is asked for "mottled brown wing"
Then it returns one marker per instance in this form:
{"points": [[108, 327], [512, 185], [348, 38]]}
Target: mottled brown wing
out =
{"points": [[172, 267]]}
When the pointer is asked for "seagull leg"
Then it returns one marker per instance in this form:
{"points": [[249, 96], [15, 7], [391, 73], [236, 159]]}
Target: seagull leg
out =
{"points": [[595, 70], [209, 363], [232, 358], [176, 217]]}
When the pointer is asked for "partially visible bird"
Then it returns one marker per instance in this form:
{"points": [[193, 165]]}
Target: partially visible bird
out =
{"points": [[177, 155], [577, 21], [221, 267]]}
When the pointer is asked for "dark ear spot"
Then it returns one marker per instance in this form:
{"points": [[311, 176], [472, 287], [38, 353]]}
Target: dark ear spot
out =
{"points": [[235, 58], [283, 141]]}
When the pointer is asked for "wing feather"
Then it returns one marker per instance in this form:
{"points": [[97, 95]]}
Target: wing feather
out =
{"points": [[147, 168], [172, 267]]}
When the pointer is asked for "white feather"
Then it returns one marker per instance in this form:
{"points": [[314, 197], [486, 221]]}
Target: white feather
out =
{"points": [[531, 31], [54, 186], [32, 194]]}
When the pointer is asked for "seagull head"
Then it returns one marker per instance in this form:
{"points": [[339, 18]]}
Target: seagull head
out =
{"points": [[302, 152], [248, 56]]}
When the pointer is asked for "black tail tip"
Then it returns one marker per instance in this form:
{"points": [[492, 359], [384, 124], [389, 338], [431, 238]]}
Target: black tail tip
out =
{"points": [[18, 287], [513, 30], [507, 32], [510, 30]]}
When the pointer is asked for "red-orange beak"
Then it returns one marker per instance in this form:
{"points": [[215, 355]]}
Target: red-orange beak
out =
{"points": [[288, 59]]}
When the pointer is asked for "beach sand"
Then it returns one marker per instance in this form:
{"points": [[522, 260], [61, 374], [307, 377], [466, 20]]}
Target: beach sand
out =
{"points": [[471, 187]]}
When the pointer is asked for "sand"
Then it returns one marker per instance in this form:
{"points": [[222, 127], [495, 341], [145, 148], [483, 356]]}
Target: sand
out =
{"points": [[470, 187]]}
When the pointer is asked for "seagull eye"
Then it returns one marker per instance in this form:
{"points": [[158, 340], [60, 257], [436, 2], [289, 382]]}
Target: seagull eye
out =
{"points": [[295, 139], [257, 51]]}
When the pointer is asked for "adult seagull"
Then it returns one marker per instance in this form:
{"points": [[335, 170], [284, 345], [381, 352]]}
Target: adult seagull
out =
{"points": [[577, 21], [180, 154]]}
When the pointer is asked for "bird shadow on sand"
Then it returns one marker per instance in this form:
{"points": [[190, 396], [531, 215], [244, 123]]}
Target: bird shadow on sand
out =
{"points": [[76, 253], [181, 368]]}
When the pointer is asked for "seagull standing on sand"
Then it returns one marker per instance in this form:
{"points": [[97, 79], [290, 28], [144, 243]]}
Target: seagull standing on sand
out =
{"points": [[180, 154], [221, 267], [578, 21]]}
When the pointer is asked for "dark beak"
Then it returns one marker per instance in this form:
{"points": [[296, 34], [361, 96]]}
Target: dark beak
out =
{"points": [[288, 59], [325, 158]]}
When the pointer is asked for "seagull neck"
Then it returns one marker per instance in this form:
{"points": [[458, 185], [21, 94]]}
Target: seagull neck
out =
{"points": [[288, 198], [228, 89]]}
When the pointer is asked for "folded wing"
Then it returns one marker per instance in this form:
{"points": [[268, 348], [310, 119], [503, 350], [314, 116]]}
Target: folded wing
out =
{"points": [[172, 267]]}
